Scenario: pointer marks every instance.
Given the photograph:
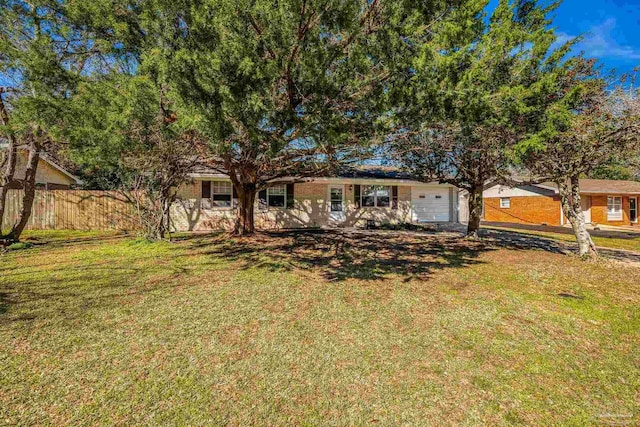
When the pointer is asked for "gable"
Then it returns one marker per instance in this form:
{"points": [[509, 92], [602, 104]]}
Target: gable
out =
{"points": [[45, 174], [519, 191]]}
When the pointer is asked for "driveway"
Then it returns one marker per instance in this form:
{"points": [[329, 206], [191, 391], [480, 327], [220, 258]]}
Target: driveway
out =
{"points": [[619, 233], [513, 239]]}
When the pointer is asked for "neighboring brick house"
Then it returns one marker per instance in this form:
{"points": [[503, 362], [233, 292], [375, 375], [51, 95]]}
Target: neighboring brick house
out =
{"points": [[606, 202], [348, 199]]}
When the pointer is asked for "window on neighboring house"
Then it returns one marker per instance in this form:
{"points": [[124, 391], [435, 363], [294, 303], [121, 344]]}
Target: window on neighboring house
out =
{"points": [[505, 202], [376, 196], [614, 208], [217, 194], [277, 196], [221, 194]]}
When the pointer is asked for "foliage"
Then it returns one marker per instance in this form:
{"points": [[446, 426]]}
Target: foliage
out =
{"points": [[281, 89], [42, 57], [615, 171], [583, 127], [476, 84], [121, 133], [159, 164]]}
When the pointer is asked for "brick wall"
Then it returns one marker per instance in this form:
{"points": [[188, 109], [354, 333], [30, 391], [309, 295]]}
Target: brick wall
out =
{"points": [[599, 211], [310, 210], [524, 210]]}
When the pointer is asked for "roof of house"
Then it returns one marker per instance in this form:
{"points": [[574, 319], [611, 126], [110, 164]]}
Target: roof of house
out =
{"points": [[609, 186], [598, 186], [364, 172]]}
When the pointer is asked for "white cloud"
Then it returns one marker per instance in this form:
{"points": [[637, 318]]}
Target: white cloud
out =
{"points": [[599, 43]]}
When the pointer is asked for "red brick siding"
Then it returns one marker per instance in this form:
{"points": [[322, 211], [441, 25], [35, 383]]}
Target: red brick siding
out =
{"points": [[599, 211], [524, 210]]}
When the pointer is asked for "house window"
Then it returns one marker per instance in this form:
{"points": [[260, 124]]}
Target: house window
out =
{"points": [[335, 196], [277, 196], [505, 202], [376, 196], [221, 194], [614, 208]]}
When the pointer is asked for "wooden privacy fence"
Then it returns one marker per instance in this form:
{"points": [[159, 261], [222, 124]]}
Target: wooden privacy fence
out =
{"points": [[73, 210]]}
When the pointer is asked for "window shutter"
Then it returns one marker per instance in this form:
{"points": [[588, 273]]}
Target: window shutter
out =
{"points": [[356, 197], [234, 197], [290, 199], [206, 189], [262, 199], [394, 198]]}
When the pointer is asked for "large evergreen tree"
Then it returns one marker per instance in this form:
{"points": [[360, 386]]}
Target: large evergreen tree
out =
{"points": [[285, 88], [475, 85], [41, 58], [586, 124], [282, 88]]}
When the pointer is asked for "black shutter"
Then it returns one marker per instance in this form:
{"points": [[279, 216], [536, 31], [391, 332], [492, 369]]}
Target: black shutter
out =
{"points": [[262, 199], [356, 197], [206, 189], [394, 198], [234, 197], [290, 199]]}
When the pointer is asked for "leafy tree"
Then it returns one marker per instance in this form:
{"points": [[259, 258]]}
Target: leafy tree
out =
{"points": [[283, 88], [120, 128], [34, 61], [476, 83], [585, 126], [614, 171]]}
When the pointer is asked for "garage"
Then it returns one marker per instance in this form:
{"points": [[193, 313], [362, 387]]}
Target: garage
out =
{"points": [[430, 204]]}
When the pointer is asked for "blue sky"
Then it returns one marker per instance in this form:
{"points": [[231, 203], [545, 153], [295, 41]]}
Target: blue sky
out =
{"points": [[611, 30]]}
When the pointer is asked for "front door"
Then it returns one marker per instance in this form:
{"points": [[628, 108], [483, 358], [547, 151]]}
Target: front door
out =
{"points": [[633, 209], [336, 203]]}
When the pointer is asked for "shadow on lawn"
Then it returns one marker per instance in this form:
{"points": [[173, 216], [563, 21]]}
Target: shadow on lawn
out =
{"points": [[371, 255], [4, 302], [515, 240], [364, 255]]}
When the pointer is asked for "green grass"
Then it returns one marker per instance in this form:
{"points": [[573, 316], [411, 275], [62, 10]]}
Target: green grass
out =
{"points": [[313, 329], [627, 243]]}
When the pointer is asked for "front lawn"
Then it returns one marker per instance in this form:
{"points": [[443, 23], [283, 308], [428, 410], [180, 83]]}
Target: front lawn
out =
{"points": [[315, 328]]}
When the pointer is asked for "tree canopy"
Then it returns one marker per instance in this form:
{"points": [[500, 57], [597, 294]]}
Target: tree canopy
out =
{"points": [[477, 84]]}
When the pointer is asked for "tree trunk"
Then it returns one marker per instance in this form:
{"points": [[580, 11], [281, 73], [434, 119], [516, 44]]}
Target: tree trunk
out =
{"points": [[29, 188], [244, 224], [7, 178], [572, 208], [10, 162], [475, 211]]}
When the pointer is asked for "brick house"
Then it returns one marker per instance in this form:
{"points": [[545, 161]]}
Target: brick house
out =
{"points": [[605, 202], [346, 199]]}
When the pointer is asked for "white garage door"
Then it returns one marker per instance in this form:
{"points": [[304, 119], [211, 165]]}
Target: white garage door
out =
{"points": [[430, 204]]}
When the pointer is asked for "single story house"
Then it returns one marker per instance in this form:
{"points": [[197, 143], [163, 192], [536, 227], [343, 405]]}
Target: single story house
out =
{"points": [[49, 174], [346, 199], [604, 202]]}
